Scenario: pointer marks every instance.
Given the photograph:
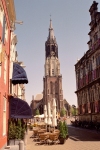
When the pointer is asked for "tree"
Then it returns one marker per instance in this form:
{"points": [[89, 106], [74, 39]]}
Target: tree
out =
{"points": [[37, 112], [18, 129], [12, 130], [63, 129], [74, 111], [62, 112]]}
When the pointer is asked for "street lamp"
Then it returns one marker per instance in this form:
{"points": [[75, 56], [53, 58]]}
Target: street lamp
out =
{"points": [[74, 110]]}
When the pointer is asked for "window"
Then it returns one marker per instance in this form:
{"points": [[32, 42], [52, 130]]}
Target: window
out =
{"points": [[0, 56], [60, 91], [92, 106], [99, 106], [5, 69], [48, 97], [4, 116], [84, 71], [90, 66], [53, 72], [99, 59], [79, 72], [56, 87], [3, 32], [6, 32], [1, 15], [51, 87], [95, 37]]}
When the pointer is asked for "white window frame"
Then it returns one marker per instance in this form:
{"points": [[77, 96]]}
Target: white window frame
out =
{"points": [[4, 115], [1, 15], [6, 31], [5, 69]]}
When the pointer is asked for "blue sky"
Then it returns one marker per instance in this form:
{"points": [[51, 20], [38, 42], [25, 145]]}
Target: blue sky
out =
{"points": [[70, 19]]}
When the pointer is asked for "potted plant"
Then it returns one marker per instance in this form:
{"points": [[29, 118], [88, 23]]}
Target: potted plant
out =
{"points": [[65, 129], [11, 133], [30, 127], [18, 132], [23, 132], [62, 112], [37, 112], [63, 132]]}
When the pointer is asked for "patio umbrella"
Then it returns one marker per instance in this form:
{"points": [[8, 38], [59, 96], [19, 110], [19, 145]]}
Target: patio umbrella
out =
{"points": [[54, 120], [45, 114], [49, 116]]}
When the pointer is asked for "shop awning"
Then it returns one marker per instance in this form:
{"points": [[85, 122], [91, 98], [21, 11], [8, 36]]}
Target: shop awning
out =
{"points": [[19, 74], [19, 108]]}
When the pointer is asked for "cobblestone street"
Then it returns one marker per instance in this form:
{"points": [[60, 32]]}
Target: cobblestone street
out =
{"points": [[79, 139]]}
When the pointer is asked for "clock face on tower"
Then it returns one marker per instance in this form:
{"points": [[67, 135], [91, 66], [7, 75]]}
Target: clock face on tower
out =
{"points": [[52, 53]]}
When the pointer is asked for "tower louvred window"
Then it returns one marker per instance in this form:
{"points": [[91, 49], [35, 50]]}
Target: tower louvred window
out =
{"points": [[53, 72]]}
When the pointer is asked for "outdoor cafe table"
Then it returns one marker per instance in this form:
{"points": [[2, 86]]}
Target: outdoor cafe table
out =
{"points": [[41, 125], [53, 137], [40, 131], [49, 133], [35, 131]]}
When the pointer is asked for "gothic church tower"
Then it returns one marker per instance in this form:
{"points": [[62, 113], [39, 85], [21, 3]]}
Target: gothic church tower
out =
{"points": [[52, 78]]}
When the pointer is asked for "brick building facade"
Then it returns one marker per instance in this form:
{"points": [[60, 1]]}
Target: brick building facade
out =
{"points": [[6, 7], [88, 72]]}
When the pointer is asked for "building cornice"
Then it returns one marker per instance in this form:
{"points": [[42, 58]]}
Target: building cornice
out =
{"points": [[11, 11], [88, 85]]}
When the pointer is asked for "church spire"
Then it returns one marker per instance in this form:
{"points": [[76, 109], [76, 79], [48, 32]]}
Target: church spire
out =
{"points": [[51, 32], [51, 46], [50, 24]]}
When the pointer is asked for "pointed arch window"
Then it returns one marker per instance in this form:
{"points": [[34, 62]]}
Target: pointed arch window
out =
{"points": [[56, 87], [51, 87]]}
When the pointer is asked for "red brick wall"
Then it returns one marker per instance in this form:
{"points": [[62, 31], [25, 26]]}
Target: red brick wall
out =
{"points": [[3, 86]]}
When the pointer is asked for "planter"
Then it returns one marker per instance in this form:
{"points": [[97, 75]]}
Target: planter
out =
{"points": [[67, 136], [62, 140], [31, 129], [17, 141], [12, 142]]}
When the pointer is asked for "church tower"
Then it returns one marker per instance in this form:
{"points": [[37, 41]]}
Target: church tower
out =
{"points": [[52, 78]]}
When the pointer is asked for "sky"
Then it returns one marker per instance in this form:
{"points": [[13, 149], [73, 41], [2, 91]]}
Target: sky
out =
{"points": [[70, 20]]}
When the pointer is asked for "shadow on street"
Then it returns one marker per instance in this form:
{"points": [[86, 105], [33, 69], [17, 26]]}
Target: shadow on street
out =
{"points": [[79, 134]]}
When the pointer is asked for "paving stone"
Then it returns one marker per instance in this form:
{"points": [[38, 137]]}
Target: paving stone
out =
{"points": [[79, 139]]}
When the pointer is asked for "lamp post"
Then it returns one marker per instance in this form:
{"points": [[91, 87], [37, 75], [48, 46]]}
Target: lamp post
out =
{"points": [[74, 110]]}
